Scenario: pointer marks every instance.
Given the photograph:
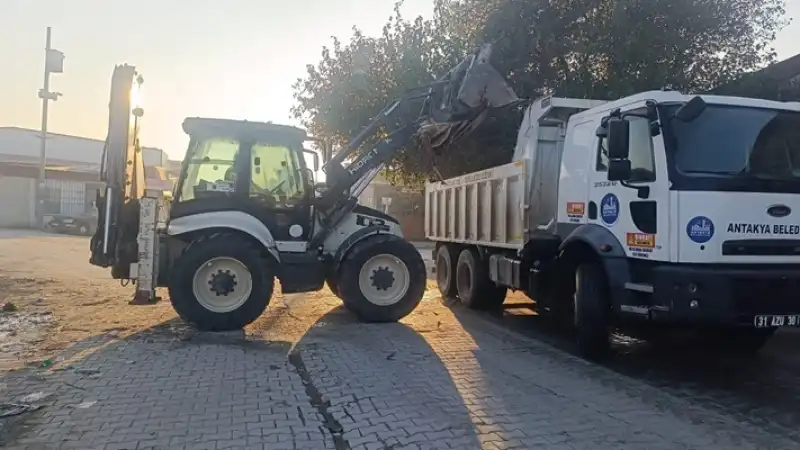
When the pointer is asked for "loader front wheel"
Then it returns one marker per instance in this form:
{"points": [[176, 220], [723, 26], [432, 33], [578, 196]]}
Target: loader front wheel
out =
{"points": [[221, 283], [382, 279]]}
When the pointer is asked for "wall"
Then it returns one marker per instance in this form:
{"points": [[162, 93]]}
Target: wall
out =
{"points": [[25, 144], [407, 207], [16, 202]]}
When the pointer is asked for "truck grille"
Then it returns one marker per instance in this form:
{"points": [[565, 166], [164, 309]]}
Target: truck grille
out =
{"points": [[761, 247]]}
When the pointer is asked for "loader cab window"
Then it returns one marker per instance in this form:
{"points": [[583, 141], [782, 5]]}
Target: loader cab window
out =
{"points": [[276, 175], [209, 169], [642, 157]]}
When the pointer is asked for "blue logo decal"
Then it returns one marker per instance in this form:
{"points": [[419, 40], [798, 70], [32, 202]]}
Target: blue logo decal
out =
{"points": [[700, 229], [609, 209]]}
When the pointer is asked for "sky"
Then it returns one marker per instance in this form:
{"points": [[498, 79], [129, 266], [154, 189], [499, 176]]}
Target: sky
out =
{"points": [[232, 59]]}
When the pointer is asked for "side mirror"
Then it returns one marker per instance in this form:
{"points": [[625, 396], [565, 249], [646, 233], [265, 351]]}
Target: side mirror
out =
{"points": [[691, 110], [314, 155], [619, 170], [618, 138]]}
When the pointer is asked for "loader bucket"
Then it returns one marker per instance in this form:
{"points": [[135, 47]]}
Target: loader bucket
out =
{"points": [[482, 85], [469, 91]]}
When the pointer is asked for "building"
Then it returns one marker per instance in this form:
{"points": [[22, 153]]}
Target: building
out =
{"points": [[405, 205], [72, 174]]}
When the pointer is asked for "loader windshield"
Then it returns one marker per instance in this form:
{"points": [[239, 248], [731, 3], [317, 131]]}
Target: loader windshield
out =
{"points": [[212, 169], [209, 168]]}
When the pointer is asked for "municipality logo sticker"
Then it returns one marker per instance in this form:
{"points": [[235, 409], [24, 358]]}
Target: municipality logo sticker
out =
{"points": [[700, 229], [609, 209]]}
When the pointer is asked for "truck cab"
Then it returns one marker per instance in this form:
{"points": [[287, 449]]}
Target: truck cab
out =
{"points": [[658, 208]]}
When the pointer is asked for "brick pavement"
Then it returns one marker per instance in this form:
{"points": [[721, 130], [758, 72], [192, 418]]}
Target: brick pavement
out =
{"points": [[309, 377]]}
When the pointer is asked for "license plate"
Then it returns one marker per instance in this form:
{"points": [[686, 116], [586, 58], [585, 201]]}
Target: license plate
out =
{"points": [[787, 320], [67, 220]]}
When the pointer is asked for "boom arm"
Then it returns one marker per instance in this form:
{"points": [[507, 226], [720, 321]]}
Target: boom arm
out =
{"points": [[447, 109], [122, 169]]}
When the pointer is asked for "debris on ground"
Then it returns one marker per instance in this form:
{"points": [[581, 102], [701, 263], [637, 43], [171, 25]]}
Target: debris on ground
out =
{"points": [[8, 307], [16, 409]]}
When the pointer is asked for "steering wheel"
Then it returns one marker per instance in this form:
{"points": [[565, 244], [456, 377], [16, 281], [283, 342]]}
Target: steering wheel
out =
{"points": [[272, 191]]}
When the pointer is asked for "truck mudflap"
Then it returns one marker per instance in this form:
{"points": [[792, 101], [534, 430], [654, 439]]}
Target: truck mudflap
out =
{"points": [[761, 296]]}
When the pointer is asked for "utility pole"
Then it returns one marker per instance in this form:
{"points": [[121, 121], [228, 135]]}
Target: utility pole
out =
{"points": [[53, 63]]}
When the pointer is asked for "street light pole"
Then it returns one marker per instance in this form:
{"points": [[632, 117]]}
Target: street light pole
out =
{"points": [[53, 63]]}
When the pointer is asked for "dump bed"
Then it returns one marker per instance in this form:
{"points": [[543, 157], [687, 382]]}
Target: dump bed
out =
{"points": [[499, 207], [484, 208]]}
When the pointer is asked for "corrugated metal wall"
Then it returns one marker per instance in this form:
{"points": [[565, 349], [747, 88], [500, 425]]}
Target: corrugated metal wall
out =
{"points": [[17, 196], [66, 197]]}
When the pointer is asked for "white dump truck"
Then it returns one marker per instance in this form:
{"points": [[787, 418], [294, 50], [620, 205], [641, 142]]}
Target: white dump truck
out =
{"points": [[655, 209]]}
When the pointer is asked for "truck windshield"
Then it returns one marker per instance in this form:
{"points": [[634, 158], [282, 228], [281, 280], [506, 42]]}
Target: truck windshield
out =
{"points": [[738, 141]]}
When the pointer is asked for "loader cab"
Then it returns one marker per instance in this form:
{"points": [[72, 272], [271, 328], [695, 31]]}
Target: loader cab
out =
{"points": [[250, 167]]}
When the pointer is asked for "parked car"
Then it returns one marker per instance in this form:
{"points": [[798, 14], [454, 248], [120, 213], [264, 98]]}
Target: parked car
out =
{"points": [[82, 225]]}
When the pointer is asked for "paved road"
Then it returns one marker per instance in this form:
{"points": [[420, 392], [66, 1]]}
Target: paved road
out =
{"points": [[307, 376]]}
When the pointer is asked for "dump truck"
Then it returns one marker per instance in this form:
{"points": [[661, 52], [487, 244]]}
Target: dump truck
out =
{"points": [[246, 210], [658, 210]]}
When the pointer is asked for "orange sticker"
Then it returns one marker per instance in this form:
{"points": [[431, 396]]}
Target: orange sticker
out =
{"points": [[641, 240], [576, 208]]}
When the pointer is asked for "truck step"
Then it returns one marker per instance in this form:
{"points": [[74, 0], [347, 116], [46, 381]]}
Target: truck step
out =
{"points": [[639, 287]]}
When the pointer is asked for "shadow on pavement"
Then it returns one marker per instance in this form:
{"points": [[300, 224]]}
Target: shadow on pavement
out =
{"points": [[164, 387], [763, 391], [384, 384], [343, 384]]}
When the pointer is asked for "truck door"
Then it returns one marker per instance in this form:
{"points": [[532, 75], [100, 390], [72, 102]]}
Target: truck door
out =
{"points": [[636, 212]]}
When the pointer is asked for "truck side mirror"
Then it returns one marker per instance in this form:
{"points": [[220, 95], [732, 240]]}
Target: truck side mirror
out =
{"points": [[619, 170], [618, 137]]}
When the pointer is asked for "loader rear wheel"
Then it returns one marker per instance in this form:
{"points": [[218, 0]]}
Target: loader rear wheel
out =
{"points": [[382, 279], [475, 289], [221, 283], [446, 256]]}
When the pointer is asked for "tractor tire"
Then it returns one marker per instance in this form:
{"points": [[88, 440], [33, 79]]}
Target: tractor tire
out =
{"points": [[591, 312], [331, 281], [475, 289], [382, 279], [221, 283], [446, 257]]}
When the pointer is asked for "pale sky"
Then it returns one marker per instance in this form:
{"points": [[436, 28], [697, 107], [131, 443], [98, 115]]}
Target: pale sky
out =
{"points": [[214, 58]]}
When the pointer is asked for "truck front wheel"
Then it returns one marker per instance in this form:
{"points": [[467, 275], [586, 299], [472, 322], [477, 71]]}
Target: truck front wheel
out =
{"points": [[591, 311], [382, 279], [220, 283]]}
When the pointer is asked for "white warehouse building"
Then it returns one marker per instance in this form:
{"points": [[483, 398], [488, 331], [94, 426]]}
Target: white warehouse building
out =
{"points": [[72, 174]]}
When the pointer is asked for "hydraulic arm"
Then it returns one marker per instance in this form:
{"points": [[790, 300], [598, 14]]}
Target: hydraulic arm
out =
{"points": [[433, 116], [122, 169]]}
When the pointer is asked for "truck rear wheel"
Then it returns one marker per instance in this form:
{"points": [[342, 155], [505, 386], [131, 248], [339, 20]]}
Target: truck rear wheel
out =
{"points": [[475, 289], [382, 279], [221, 283], [591, 311], [446, 257]]}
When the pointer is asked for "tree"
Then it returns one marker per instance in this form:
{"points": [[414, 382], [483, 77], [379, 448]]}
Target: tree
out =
{"points": [[581, 48]]}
